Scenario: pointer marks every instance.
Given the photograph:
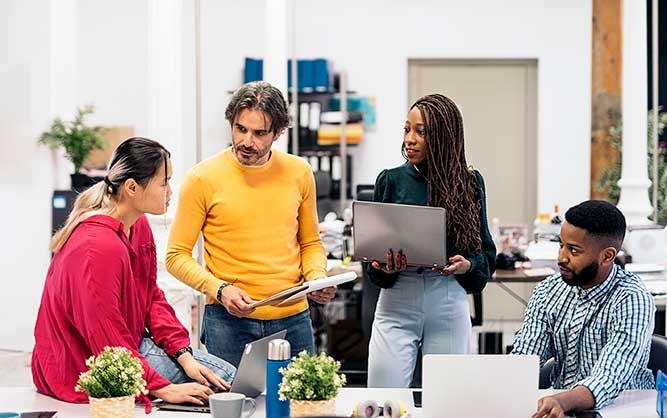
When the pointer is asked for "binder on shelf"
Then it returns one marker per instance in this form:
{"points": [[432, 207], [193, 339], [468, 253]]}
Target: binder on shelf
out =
{"points": [[253, 70], [321, 75], [329, 134], [314, 122], [304, 123], [305, 72], [312, 75]]}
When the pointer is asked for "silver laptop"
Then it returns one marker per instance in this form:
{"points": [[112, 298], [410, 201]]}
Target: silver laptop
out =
{"points": [[250, 376], [502, 386], [418, 230]]}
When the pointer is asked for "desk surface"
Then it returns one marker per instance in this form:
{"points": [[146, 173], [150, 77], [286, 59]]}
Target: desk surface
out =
{"points": [[519, 276], [631, 404]]}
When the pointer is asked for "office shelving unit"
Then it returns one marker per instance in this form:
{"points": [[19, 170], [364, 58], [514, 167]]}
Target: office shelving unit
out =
{"points": [[304, 140]]}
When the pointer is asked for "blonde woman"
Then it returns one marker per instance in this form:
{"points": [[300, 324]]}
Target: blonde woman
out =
{"points": [[101, 288]]}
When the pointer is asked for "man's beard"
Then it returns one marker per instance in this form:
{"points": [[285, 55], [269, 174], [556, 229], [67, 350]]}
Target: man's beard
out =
{"points": [[586, 276], [254, 154]]}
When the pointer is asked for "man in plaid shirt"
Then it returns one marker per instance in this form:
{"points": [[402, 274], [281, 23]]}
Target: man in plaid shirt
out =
{"points": [[594, 318]]}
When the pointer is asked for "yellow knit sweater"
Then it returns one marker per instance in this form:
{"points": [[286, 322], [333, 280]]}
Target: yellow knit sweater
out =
{"points": [[259, 226]]}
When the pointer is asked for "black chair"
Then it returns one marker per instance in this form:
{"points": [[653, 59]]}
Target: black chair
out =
{"points": [[657, 360], [369, 299], [545, 373], [370, 292], [323, 186], [365, 192]]}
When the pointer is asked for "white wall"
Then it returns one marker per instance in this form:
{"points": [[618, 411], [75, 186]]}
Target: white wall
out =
{"points": [[46, 67], [112, 61], [26, 173], [373, 40]]}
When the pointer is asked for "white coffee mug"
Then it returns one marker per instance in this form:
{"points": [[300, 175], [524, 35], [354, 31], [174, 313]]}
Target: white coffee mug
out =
{"points": [[230, 405]]}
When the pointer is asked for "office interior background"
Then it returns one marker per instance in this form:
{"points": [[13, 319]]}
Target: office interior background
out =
{"points": [[539, 83]]}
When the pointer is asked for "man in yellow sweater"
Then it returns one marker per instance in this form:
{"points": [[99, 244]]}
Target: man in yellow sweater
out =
{"points": [[256, 209]]}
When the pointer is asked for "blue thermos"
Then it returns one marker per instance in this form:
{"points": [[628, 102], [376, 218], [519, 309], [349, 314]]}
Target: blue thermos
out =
{"points": [[279, 356]]}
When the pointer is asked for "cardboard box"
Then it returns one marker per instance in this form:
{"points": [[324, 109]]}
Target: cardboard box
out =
{"points": [[114, 135]]}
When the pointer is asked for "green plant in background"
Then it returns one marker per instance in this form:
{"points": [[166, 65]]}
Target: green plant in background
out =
{"points": [[75, 137], [311, 378], [115, 372], [609, 179]]}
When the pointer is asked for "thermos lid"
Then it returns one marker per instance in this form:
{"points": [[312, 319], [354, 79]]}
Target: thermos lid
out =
{"points": [[279, 349]]}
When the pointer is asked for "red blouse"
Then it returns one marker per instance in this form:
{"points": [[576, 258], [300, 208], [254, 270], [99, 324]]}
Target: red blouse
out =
{"points": [[101, 290]]}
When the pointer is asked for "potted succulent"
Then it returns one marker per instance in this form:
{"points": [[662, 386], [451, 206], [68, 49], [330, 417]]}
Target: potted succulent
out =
{"points": [[311, 383], [113, 380], [78, 140]]}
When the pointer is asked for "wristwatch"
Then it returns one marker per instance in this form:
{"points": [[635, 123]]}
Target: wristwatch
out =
{"points": [[186, 349], [220, 289]]}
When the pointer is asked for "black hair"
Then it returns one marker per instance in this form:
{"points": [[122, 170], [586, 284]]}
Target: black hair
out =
{"points": [[261, 96], [451, 184], [135, 158], [600, 219]]}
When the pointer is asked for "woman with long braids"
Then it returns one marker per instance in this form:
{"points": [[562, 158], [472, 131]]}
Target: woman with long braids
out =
{"points": [[429, 307], [101, 288]]}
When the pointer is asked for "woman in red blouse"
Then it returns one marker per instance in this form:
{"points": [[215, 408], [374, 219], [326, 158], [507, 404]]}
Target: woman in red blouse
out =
{"points": [[101, 288]]}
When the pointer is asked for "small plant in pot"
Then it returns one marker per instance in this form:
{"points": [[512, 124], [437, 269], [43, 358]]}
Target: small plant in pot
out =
{"points": [[78, 140], [311, 383], [112, 382]]}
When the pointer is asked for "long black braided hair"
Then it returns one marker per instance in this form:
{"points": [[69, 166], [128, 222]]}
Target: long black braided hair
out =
{"points": [[451, 184]]}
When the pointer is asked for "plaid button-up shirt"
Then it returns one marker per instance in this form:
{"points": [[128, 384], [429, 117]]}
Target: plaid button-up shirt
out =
{"points": [[600, 338]]}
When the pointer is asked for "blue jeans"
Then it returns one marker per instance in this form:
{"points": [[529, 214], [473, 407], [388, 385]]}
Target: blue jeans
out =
{"points": [[172, 371], [422, 308], [225, 335]]}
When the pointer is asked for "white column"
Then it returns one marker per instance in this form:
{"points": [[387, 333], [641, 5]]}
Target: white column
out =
{"points": [[63, 76], [164, 77], [168, 114], [275, 51], [634, 182]]}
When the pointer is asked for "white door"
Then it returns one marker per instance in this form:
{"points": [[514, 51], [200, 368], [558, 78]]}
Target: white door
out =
{"points": [[498, 100]]}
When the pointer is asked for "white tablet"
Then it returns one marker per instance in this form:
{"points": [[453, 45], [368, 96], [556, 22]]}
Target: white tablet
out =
{"points": [[304, 288]]}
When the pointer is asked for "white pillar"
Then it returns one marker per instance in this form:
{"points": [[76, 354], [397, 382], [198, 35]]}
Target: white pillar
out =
{"points": [[275, 51], [634, 182], [170, 109], [63, 76], [164, 77]]}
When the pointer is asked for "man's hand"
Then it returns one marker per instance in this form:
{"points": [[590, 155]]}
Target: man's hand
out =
{"points": [[579, 398], [202, 374], [323, 296], [236, 301], [549, 407]]}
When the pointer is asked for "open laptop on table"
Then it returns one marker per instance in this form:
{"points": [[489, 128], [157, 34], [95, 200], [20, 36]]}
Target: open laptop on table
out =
{"points": [[502, 386], [250, 378]]}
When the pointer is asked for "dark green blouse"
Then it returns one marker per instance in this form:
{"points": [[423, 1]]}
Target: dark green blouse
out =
{"points": [[406, 185]]}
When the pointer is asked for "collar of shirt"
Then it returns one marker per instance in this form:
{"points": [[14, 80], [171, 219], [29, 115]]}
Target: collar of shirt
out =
{"points": [[115, 225], [594, 294]]}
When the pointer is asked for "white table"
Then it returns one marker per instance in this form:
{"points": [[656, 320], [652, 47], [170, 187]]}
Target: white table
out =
{"points": [[631, 404]]}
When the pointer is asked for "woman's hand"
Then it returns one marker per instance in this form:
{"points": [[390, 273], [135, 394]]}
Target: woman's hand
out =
{"points": [[395, 263], [184, 392], [457, 265], [202, 374]]}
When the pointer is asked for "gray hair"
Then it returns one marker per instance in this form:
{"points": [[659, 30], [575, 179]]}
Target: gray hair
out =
{"points": [[261, 96]]}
